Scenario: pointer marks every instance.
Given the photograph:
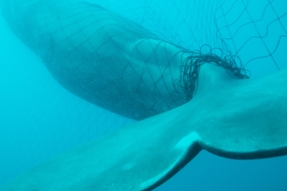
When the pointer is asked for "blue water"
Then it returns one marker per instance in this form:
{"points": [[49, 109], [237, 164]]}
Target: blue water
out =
{"points": [[39, 119]]}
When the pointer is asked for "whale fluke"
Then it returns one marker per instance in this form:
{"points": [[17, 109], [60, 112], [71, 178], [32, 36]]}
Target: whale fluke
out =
{"points": [[246, 121]]}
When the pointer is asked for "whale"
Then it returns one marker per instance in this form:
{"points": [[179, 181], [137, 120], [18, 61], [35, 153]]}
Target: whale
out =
{"points": [[229, 117], [101, 56]]}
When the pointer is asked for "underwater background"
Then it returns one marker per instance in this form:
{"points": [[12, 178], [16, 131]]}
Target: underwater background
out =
{"points": [[39, 119]]}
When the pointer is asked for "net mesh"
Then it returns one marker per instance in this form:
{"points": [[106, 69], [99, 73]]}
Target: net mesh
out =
{"points": [[190, 70]]}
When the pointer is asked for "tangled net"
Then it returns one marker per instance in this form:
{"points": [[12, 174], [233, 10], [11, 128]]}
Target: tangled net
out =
{"points": [[189, 71]]}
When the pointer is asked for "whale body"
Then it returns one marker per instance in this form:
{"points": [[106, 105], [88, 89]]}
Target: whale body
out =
{"points": [[101, 56]]}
